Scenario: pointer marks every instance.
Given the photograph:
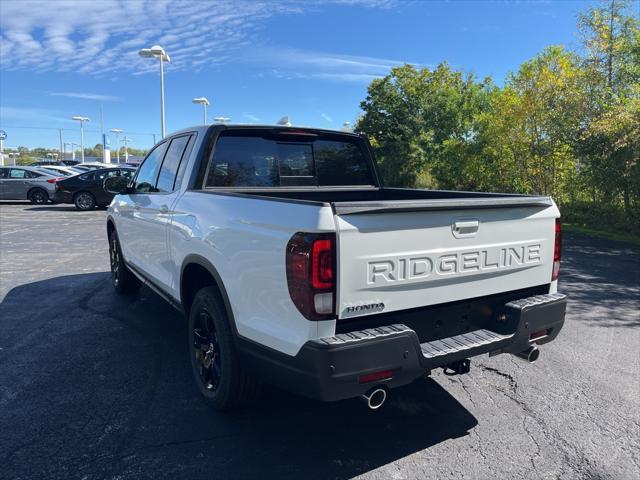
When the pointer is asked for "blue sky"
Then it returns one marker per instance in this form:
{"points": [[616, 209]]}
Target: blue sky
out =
{"points": [[255, 60]]}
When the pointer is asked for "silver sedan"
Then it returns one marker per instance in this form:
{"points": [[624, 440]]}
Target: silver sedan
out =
{"points": [[26, 183]]}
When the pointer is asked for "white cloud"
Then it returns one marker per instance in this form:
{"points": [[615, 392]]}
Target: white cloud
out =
{"points": [[87, 96], [100, 37], [326, 117], [32, 116], [288, 63], [251, 117]]}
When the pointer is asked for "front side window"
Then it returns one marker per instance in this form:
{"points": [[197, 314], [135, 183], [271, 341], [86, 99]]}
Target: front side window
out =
{"points": [[267, 159], [171, 162], [148, 171]]}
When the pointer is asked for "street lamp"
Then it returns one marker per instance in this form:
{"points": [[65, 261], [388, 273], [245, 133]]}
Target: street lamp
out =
{"points": [[204, 102], [81, 120], [158, 52], [222, 119], [117, 131]]}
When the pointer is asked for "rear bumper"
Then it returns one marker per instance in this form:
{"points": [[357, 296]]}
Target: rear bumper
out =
{"points": [[62, 197], [330, 368]]}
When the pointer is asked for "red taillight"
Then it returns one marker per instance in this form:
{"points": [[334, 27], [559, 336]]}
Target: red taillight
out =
{"points": [[322, 264], [54, 180], [376, 376], [310, 261], [557, 250]]}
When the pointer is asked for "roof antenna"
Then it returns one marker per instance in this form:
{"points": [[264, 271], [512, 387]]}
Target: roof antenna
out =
{"points": [[284, 121]]}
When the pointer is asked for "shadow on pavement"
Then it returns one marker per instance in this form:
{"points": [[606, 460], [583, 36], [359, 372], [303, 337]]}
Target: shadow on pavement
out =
{"points": [[95, 385], [601, 275]]}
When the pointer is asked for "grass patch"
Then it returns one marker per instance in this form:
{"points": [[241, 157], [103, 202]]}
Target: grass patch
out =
{"points": [[600, 233]]}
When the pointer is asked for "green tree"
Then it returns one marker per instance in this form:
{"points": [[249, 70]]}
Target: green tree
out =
{"points": [[418, 120], [528, 134], [611, 40]]}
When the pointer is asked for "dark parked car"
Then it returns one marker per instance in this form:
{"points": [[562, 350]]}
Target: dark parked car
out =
{"points": [[86, 190]]}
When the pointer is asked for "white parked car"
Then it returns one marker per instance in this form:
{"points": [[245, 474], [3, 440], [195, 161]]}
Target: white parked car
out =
{"points": [[296, 267], [59, 170]]}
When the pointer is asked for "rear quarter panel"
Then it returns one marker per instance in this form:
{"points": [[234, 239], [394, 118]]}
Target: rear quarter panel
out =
{"points": [[245, 240]]}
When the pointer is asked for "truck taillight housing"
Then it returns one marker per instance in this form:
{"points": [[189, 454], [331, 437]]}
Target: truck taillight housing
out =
{"points": [[311, 274], [557, 251]]}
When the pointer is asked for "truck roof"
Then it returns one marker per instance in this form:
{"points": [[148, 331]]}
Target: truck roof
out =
{"points": [[231, 126]]}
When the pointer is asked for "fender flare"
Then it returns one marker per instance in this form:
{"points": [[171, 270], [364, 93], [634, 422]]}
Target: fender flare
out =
{"points": [[207, 265]]}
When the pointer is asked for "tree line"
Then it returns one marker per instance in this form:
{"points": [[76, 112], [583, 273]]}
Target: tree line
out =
{"points": [[565, 124], [25, 156]]}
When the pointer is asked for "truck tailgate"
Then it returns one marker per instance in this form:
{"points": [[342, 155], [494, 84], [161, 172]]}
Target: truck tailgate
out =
{"points": [[400, 258]]}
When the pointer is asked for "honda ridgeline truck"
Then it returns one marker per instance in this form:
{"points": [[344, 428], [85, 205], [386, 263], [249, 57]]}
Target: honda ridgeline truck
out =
{"points": [[295, 266]]}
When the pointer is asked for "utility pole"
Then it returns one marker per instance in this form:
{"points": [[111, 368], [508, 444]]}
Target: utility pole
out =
{"points": [[117, 131], [61, 145], [126, 140]]}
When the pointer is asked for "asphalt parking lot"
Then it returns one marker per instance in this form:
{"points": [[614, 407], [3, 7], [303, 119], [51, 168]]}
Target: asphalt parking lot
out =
{"points": [[93, 385]]}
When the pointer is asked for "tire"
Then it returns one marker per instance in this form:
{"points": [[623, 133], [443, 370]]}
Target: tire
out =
{"points": [[38, 196], [123, 280], [84, 201], [214, 359]]}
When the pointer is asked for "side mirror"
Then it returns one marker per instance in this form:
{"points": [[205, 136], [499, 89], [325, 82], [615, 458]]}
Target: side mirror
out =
{"points": [[116, 185]]}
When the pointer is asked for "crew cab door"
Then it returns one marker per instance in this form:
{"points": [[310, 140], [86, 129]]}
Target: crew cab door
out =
{"points": [[397, 260], [148, 211]]}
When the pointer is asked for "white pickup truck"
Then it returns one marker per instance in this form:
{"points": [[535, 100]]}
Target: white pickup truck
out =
{"points": [[296, 267]]}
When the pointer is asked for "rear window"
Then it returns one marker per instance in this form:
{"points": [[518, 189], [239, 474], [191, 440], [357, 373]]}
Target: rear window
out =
{"points": [[274, 160]]}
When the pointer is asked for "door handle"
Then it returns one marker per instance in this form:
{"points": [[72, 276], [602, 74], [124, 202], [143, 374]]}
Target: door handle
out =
{"points": [[465, 228], [164, 209]]}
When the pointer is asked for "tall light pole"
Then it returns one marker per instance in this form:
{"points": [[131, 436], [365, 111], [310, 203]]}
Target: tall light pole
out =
{"points": [[81, 120], [158, 52], [222, 119], [117, 131], [73, 152], [204, 102], [126, 140]]}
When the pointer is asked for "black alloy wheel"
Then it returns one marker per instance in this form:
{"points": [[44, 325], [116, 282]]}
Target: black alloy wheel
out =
{"points": [[122, 279], [114, 257], [207, 351], [38, 196], [84, 201]]}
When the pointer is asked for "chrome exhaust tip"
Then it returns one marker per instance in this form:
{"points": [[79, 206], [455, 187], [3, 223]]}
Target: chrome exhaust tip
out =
{"points": [[531, 354], [374, 398]]}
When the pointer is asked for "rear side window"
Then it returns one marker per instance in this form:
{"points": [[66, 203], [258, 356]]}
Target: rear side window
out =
{"points": [[18, 173], [167, 177], [101, 175], [274, 160], [148, 171]]}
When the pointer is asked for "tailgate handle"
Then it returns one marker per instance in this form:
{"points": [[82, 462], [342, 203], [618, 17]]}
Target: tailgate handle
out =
{"points": [[465, 228]]}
